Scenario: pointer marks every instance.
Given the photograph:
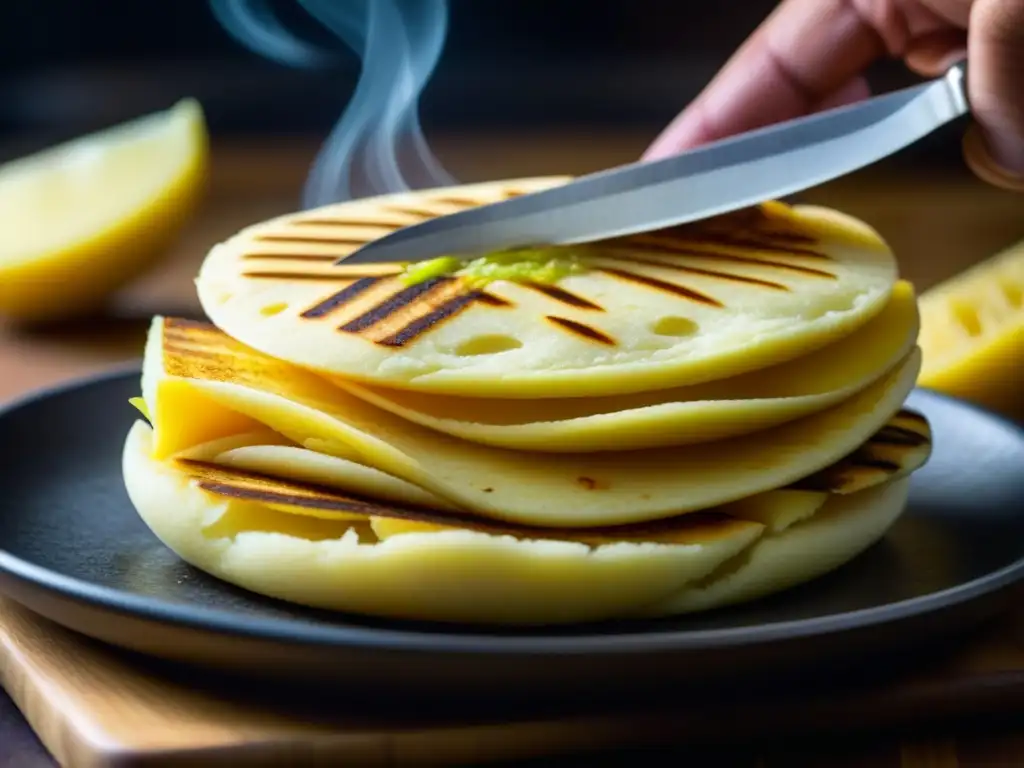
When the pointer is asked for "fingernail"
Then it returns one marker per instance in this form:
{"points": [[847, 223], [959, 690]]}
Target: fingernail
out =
{"points": [[951, 58], [999, 162]]}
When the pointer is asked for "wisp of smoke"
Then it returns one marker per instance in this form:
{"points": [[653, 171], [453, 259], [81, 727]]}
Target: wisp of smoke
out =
{"points": [[377, 146]]}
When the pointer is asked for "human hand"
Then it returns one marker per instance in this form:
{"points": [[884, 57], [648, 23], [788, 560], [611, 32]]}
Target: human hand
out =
{"points": [[810, 55]]}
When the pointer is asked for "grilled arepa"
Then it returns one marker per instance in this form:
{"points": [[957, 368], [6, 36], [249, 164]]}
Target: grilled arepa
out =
{"points": [[320, 544], [640, 427], [679, 416], [677, 307], [200, 385]]}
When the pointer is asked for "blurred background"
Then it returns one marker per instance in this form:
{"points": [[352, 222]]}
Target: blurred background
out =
{"points": [[522, 87], [617, 66]]}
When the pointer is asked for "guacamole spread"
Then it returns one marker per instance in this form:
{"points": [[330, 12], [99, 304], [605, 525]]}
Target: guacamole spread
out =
{"points": [[535, 265]]}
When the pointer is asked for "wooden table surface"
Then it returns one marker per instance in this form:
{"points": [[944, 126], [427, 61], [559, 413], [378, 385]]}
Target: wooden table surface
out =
{"points": [[937, 224]]}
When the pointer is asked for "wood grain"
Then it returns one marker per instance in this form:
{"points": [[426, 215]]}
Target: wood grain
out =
{"points": [[94, 707]]}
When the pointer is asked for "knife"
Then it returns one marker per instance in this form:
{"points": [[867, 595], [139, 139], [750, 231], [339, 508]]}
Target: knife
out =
{"points": [[716, 178]]}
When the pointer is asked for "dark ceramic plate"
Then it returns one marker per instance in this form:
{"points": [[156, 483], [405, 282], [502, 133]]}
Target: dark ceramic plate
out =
{"points": [[73, 549]]}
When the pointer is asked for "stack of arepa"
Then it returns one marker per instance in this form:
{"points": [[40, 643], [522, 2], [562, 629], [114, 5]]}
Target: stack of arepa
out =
{"points": [[642, 427]]}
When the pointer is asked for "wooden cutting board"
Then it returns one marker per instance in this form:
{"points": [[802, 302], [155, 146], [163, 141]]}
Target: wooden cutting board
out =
{"points": [[93, 706]]}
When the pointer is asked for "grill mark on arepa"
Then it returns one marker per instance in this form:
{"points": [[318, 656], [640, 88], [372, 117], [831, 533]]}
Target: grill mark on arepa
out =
{"points": [[754, 243], [912, 416], [252, 486], [344, 222], [324, 257], [563, 296], [325, 277], [789, 236], [319, 501], [891, 450], [894, 435], [394, 303], [418, 213], [493, 301], [311, 240], [581, 329], [714, 274], [424, 323], [463, 202], [186, 324], [442, 298], [662, 285], [342, 297], [735, 259]]}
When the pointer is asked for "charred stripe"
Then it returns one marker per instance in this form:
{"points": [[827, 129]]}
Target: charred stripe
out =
{"points": [[766, 245], [418, 213], [894, 435], [751, 240], [348, 223], [705, 272], [493, 301], [731, 257], [323, 277], [257, 487], [581, 329], [340, 298], [421, 325], [310, 239], [324, 257], [563, 296], [188, 325], [462, 202], [250, 493], [663, 285], [912, 416], [395, 302]]}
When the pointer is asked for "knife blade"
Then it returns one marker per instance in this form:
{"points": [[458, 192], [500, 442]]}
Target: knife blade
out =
{"points": [[713, 179]]}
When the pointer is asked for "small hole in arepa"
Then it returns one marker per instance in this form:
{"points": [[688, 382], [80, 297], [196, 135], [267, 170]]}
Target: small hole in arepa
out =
{"points": [[273, 309], [487, 345], [674, 326]]}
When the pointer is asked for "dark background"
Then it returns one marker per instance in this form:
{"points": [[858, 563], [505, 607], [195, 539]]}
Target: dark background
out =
{"points": [[69, 66]]}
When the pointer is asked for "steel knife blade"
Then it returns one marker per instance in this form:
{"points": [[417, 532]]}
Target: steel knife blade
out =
{"points": [[713, 179]]}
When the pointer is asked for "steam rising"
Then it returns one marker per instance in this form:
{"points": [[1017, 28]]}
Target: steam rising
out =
{"points": [[378, 145]]}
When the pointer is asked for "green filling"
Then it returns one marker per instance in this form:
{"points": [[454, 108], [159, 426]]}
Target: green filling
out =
{"points": [[140, 404], [535, 265]]}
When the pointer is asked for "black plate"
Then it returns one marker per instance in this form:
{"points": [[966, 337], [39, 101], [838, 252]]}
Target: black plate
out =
{"points": [[73, 549]]}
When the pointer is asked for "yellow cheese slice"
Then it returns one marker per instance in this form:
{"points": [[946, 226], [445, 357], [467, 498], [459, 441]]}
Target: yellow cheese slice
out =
{"points": [[454, 575], [198, 370], [972, 334], [696, 303], [680, 416]]}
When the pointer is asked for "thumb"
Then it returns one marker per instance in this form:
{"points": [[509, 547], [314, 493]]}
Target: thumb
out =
{"points": [[995, 148]]}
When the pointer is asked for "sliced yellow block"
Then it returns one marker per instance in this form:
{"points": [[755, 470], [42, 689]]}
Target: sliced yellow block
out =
{"points": [[81, 219], [972, 334]]}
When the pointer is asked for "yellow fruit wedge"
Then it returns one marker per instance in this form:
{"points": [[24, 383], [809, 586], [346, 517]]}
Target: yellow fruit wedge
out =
{"points": [[81, 219], [972, 334]]}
